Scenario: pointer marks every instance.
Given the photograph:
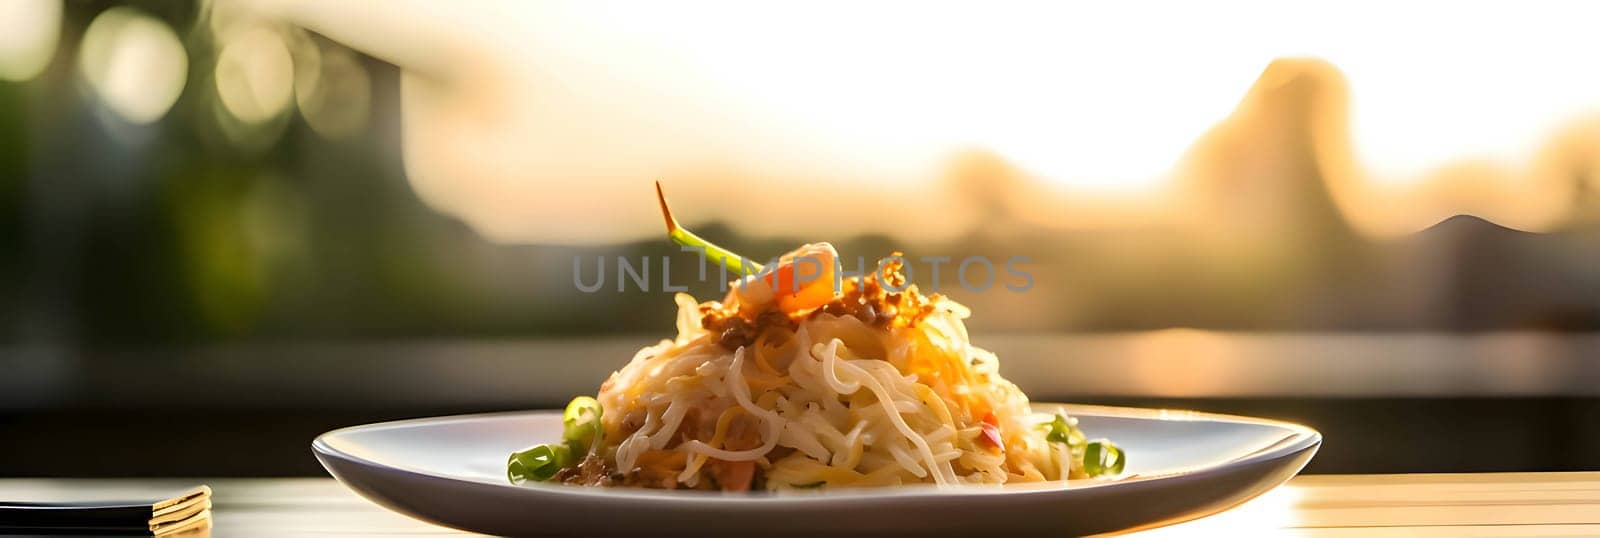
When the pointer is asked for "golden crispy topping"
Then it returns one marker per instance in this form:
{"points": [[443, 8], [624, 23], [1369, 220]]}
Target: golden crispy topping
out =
{"points": [[868, 299]]}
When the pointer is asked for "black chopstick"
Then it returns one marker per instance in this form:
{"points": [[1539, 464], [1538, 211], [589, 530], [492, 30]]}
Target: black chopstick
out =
{"points": [[185, 511]]}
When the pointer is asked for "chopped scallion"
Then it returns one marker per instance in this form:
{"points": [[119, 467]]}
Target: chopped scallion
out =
{"points": [[1102, 458], [1063, 430], [581, 424], [538, 463]]}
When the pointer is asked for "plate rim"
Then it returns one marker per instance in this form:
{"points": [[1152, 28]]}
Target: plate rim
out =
{"points": [[1300, 439]]}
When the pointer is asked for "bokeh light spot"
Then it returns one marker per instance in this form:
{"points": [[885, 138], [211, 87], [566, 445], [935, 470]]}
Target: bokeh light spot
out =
{"points": [[333, 91], [134, 63], [255, 75], [28, 33]]}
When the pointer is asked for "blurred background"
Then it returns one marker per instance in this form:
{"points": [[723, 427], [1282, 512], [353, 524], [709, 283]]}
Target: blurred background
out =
{"points": [[228, 226]]}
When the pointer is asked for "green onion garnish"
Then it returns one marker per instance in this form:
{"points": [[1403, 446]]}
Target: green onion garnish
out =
{"points": [[539, 463], [1100, 458], [735, 263], [581, 424], [581, 430], [1061, 430]]}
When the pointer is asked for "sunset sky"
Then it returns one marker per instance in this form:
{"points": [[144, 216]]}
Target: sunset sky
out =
{"points": [[518, 116]]}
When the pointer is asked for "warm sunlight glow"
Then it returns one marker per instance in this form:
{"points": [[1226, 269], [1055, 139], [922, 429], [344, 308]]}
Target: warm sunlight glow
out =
{"points": [[1182, 363], [1050, 86], [1071, 92], [511, 103], [1267, 515]]}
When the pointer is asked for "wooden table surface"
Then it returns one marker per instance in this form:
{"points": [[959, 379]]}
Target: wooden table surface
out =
{"points": [[1497, 504]]}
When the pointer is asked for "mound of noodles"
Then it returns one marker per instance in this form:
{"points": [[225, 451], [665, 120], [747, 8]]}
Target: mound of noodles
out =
{"points": [[842, 383]]}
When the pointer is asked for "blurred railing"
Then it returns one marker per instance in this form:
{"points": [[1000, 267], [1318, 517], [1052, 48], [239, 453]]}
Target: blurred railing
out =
{"points": [[1385, 402], [534, 373]]}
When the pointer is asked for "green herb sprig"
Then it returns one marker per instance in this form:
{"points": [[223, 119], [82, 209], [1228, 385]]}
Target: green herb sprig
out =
{"points": [[735, 263]]}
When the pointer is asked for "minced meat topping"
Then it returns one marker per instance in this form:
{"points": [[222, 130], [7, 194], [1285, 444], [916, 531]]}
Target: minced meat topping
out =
{"points": [[866, 299]]}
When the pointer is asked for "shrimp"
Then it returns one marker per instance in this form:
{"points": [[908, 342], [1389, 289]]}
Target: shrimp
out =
{"points": [[803, 279]]}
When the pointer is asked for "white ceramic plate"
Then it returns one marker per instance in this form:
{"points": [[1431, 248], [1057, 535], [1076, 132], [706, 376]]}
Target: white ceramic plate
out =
{"points": [[1181, 465]]}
